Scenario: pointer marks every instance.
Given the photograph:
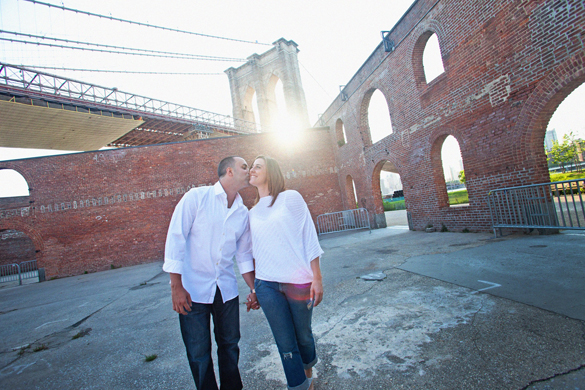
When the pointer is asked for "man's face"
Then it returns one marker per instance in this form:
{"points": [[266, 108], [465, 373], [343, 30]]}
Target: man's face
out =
{"points": [[241, 173]]}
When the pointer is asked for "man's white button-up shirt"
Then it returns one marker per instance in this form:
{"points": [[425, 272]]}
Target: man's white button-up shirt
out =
{"points": [[203, 238]]}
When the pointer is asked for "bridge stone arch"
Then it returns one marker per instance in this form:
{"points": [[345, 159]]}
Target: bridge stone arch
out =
{"points": [[261, 73]]}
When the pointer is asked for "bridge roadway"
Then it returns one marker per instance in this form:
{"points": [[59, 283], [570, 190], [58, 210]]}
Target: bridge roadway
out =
{"points": [[41, 110], [454, 311]]}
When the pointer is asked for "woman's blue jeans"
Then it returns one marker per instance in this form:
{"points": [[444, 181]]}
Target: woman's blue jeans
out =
{"points": [[289, 313], [196, 332]]}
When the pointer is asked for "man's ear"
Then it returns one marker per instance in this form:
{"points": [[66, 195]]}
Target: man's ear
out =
{"points": [[229, 171]]}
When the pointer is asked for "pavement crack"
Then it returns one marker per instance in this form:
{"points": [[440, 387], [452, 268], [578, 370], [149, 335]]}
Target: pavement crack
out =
{"points": [[476, 337], [57, 338], [582, 366]]}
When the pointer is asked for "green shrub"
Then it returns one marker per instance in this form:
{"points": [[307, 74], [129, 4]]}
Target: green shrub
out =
{"points": [[566, 176], [397, 205], [458, 197]]}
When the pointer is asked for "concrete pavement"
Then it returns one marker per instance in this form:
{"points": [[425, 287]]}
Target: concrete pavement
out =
{"points": [[455, 311]]}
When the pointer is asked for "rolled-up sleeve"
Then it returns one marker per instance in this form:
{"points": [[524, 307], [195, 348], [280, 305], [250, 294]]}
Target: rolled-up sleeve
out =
{"points": [[179, 229], [244, 251]]}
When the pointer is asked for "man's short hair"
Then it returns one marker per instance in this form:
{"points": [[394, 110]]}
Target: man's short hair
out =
{"points": [[224, 164]]}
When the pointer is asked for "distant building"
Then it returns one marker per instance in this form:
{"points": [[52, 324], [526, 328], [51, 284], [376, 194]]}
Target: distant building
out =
{"points": [[549, 139], [390, 182]]}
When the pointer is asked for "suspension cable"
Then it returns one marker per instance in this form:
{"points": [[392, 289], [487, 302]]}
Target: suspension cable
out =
{"points": [[112, 46], [119, 71], [182, 57], [143, 24]]}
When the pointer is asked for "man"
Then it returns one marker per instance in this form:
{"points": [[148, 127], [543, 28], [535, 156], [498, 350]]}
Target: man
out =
{"points": [[208, 228]]}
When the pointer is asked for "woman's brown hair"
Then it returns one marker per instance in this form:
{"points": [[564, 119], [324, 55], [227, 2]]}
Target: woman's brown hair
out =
{"points": [[274, 177]]}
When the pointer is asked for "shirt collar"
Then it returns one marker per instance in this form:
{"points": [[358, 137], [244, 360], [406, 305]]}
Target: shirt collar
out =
{"points": [[218, 189]]}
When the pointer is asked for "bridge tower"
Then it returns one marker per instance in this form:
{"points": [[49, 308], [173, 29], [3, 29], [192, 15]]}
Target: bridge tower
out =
{"points": [[260, 74]]}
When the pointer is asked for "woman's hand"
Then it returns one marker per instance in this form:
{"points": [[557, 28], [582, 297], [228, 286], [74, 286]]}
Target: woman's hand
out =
{"points": [[317, 285], [317, 291], [252, 302]]}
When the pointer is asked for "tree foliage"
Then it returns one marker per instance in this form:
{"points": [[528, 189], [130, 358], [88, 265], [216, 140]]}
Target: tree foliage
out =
{"points": [[564, 153], [462, 177]]}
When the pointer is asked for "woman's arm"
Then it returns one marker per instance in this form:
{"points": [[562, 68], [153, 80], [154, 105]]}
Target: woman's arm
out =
{"points": [[317, 285]]}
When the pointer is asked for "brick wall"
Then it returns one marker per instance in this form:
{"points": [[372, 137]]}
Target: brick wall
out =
{"points": [[91, 211], [508, 65]]}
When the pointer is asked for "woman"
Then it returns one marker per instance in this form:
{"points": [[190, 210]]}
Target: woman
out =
{"points": [[288, 278]]}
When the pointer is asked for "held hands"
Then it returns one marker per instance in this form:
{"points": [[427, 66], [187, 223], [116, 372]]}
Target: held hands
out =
{"points": [[252, 302], [316, 291]]}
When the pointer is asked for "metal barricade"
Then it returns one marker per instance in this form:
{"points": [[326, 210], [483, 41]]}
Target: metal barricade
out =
{"points": [[9, 273], [29, 270], [14, 272], [343, 220], [557, 205]]}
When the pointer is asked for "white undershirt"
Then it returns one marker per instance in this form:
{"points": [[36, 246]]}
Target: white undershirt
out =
{"points": [[284, 239]]}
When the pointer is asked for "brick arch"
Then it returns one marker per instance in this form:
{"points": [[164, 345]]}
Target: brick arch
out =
{"points": [[340, 135], [433, 27], [376, 190], [541, 105], [438, 176], [364, 125], [34, 235], [15, 167], [350, 196]]}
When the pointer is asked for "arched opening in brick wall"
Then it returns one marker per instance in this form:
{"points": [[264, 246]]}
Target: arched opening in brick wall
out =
{"points": [[340, 133], [350, 193], [432, 60], [568, 124], [427, 62], [389, 193], [379, 123], [12, 184], [452, 162], [15, 247], [445, 156], [250, 108], [538, 111]]}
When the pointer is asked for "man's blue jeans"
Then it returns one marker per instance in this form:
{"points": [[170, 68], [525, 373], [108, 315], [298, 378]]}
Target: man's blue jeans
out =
{"points": [[287, 310], [196, 331]]}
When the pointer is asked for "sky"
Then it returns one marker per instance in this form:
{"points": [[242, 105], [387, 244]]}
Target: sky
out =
{"points": [[334, 38]]}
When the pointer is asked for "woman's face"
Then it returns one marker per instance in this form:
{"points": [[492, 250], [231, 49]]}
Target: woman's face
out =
{"points": [[258, 174]]}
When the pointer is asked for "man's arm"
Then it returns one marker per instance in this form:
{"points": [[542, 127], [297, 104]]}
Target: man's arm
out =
{"points": [[246, 266], [251, 300], [175, 246], [181, 298]]}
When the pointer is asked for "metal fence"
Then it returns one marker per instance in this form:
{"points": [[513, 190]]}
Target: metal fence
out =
{"points": [[33, 83], [14, 272], [557, 205], [343, 220]]}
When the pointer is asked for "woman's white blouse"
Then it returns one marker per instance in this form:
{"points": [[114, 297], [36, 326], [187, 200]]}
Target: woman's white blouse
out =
{"points": [[284, 239]]}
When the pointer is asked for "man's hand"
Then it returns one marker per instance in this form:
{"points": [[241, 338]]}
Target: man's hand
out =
{"points": [[181, 298], [252, 302]]}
